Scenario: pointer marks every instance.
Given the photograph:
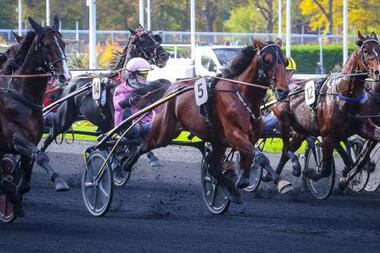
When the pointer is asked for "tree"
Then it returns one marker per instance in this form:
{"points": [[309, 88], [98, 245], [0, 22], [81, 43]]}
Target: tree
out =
{"points": [[322, 13], [327, 14], [269, 11], [254, 16], [211, 13]]}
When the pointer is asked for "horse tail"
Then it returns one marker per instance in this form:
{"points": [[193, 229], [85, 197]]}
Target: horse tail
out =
{"points": [[150, 93]]}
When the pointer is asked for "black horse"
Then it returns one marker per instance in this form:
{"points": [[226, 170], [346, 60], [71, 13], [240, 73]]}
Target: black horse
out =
{"points": [[21, 120], [141, 43]]}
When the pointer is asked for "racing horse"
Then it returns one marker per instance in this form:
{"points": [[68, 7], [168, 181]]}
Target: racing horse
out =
{"points": [[333, 117], [141, 43], [20, 104], [235, 114]]}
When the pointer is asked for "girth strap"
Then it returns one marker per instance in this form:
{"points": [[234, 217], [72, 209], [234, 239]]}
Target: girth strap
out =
{"points": [[24, 101]]}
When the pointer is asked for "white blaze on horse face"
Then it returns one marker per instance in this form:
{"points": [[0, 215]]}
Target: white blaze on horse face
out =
{"points": [[66, 71], [377, 58]]}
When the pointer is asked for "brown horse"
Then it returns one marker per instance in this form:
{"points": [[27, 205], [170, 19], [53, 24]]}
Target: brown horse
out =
{"points": [[20, 102], [236, 116], [341, 98]]}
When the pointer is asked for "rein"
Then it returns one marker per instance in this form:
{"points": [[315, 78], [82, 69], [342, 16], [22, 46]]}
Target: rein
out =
{"points": [[241, 82]]}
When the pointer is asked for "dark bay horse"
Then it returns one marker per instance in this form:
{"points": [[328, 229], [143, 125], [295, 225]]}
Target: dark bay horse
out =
{"points": [[20, 102], [141, 43], [235, 110], [341, 98]]}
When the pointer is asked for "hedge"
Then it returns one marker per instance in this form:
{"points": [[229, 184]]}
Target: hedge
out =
{"points": [[307, 57]]}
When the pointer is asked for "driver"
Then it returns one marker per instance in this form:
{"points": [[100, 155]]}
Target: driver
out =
{"points": [[124, 102], [270, 121]]}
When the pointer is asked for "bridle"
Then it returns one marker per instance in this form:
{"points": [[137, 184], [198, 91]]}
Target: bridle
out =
{"points": [[263, 67], [48, 63], [144, 49], [362, 56]]}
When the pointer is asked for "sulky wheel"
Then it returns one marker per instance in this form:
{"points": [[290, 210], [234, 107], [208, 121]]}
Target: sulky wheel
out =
{"points": [[97, 188], [254, 176], [8, 164], [322, 188], [373, 183], [361, 178], [215, 196]]}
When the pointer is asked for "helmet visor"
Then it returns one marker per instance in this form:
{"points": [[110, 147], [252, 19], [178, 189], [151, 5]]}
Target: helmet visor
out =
{"points": [[143, 72]]}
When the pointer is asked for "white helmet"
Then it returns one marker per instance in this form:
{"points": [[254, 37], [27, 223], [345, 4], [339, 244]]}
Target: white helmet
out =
{"points": [[137, 64], [138, 69]]}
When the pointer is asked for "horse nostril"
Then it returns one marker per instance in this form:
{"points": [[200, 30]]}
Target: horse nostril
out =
{"points": [[62, 78]]}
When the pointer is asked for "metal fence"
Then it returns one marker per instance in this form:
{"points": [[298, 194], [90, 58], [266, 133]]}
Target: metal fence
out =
{"points": [[176, 42], [174, 37]]}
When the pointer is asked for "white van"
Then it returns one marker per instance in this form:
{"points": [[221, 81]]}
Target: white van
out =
{"points": [[211, 60]]}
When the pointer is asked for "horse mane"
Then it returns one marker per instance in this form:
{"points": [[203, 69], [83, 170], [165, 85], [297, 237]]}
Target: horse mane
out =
{"points": [[13, 64], [150, 93], [240, 62]]}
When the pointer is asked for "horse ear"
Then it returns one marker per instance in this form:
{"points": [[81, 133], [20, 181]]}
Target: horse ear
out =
{"points": [[373, 34], [17, 37], [278, 42], [157, 38], [37, 28], [55, 23], [133, 32], [360, 40], [258, 43]]}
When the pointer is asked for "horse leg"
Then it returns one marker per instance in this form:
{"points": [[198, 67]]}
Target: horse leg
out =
{"points": [[28, 149], [345, 157], [327, 151], [43, 161], [215, 162], [65, 117], [162, 131], [154, 161], [241, 142], [364, 157]]}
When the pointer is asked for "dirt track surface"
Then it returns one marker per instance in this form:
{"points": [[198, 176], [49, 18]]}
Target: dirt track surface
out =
{"points": [[161, 210]]}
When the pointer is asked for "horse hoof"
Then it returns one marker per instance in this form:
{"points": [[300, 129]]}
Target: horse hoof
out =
{"points": [[242, 182], [61, 185], [342, 184], [284, 187], [155, 163], [235, 197]]}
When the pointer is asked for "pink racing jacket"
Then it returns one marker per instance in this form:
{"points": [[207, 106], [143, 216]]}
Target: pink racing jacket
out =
{"points": [[123, 92]]}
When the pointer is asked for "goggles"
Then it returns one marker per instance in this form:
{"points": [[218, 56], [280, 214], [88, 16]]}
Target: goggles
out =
{"points": [[143, 73]]}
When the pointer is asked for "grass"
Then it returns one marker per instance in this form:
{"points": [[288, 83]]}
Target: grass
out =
{"points": [[273, 145]]}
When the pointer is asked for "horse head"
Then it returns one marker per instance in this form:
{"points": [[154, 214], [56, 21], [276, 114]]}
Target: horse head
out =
{"points": [[49, 42], [148, 46], [12, 50], [270, 65], [369, 55]]}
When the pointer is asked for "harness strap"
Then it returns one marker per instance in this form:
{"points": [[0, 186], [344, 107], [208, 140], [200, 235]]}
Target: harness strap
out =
{"points": [[24, 101], [358, 99], [246, 106]]}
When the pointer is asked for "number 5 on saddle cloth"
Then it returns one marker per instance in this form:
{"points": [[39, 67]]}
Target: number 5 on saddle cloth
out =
{"points": [[203, 91]]}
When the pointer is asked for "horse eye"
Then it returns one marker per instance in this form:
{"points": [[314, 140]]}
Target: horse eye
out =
{"points": [[47, 47], [365, 51]]}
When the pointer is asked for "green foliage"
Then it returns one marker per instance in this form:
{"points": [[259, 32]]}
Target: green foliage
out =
{"points": [[307, 57]]}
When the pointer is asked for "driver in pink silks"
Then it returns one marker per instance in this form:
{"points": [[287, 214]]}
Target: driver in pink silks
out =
{"points": [[123, 101]]}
